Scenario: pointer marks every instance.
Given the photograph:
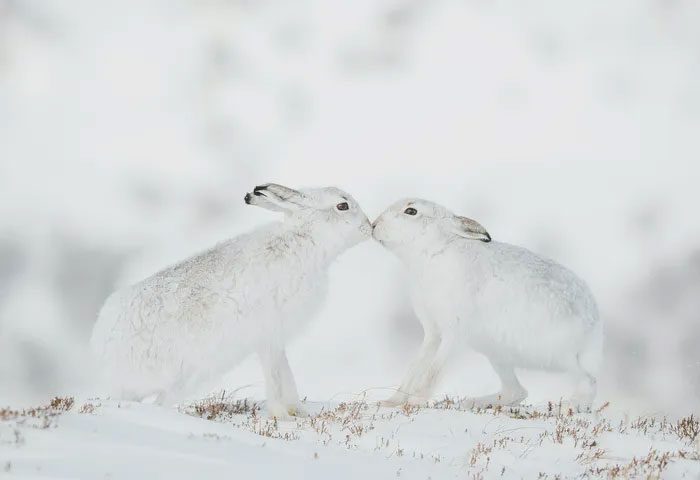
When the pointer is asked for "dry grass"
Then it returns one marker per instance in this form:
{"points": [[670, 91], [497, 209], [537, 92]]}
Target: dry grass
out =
{"points": [[88, 408], [349, 422], [39, 417], [240, 413], [651, 466], [359, 424], [220, 409], [687, 428], [56, 406]]}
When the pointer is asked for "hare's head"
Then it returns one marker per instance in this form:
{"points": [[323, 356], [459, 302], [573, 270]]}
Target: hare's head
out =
{"points": [[419, 224], [329, 210]]}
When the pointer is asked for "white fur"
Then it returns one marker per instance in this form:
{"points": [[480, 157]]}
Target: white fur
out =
{"points": [[518, 309], [197, 319]]}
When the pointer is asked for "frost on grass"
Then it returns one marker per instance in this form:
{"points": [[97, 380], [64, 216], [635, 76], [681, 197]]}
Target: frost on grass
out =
{"points": [[344, 422], [445, 437], [12, 421], [41, 416], [240, 413], [590, 445]]}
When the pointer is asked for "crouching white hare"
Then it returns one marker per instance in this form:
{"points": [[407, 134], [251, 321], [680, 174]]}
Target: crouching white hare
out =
{"points": [[188, 323], [516, 308]]}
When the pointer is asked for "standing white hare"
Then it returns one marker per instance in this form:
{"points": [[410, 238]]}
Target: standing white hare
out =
{"points": [[516, 308], [197, 319]]}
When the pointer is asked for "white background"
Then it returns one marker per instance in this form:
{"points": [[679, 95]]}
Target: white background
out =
{"points": [[130, 131]]}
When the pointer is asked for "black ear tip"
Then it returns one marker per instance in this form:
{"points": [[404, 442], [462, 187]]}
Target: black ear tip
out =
{"points": [[259, 188]]}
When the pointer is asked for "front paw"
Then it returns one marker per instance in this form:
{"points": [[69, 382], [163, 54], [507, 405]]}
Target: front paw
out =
{"points": [[297, 411], [285, 412], [394, 401]]}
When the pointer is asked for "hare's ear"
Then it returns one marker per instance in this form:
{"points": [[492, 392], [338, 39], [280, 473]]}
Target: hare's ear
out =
{"points": [[275, 197], [468, 228]]}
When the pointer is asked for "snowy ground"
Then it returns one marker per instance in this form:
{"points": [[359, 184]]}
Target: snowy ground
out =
{"points": [[232, 438]]}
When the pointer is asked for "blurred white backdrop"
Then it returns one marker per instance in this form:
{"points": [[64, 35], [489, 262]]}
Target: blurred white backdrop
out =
{"points": [[130, 131]]}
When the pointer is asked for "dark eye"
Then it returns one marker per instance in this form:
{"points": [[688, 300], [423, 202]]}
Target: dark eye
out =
{"points": [[410, 211], [342, 206]]}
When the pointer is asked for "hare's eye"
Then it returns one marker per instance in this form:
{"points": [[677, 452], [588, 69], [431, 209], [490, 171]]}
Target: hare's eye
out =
{"points": [[410, 211], [342, 206]]}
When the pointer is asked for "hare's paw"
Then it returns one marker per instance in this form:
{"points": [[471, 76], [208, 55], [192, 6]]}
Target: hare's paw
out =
{"points": [[297, 411], [399, 399], [277, 410], [285, 412]]}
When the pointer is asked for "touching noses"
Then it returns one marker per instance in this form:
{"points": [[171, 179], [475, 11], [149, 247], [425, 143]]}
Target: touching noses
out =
{"points": [[374, 227]]}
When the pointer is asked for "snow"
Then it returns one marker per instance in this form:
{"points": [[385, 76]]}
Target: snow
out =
{"points": [[131, 130], [133, 133], [93, 438]]}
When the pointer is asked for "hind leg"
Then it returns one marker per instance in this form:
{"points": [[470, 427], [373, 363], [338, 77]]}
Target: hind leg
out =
{"points": [[585, 389], [512, 392]]}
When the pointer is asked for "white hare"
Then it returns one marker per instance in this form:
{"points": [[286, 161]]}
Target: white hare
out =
{"points": [[250, 294], [516, 308]]}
